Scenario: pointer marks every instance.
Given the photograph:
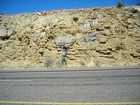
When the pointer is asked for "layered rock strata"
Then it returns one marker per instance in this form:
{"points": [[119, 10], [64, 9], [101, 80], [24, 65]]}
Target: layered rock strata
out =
{"points": [[96, 37]]}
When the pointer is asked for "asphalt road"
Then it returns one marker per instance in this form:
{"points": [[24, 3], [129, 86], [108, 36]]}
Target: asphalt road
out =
{"points": [[121, 85]]}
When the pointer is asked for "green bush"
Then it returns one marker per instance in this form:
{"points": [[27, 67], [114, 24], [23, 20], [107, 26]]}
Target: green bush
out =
{"points": [[138, 4], [48, 62], [120, 5]]}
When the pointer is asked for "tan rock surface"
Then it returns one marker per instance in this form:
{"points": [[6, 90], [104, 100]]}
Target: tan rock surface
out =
{"points": [[103, 37]]}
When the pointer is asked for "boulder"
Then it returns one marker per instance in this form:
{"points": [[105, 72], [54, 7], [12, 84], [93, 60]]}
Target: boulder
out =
{"points": [[95, 22], [5, 33], [66, 41], [88, 24], [89, 39], [36, 37], [84, 27]]}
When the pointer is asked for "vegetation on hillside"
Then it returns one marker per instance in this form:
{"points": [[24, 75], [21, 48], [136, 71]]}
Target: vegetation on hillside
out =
{"points": [[120, 5], [138, 4]]}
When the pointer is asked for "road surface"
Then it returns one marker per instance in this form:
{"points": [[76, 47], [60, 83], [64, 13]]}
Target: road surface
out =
{"points": [[113, 85]]}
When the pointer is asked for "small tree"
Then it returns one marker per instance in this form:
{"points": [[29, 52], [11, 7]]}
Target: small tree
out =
{"points": [[120, 5], [138, 4]]}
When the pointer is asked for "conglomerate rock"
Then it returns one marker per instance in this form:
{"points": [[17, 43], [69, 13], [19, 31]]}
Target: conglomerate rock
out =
{"points": [[66, 41], [96, 37]]}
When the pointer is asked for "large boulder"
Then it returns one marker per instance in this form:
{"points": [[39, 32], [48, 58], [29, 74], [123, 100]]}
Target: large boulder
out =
{"points": [[5, 33], [88, 24], [66, 41], [85, 26], [89, 39], [95, 22]]}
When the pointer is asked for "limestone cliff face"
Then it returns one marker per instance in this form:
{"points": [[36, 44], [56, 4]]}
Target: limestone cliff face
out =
{"points": [[101, 37]]}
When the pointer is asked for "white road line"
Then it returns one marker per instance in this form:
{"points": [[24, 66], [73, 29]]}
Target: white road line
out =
{"points": [[69, 103], [10, 80]]}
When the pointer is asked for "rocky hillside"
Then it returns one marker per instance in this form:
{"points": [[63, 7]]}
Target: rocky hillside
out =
{"points": [[96, 37]]}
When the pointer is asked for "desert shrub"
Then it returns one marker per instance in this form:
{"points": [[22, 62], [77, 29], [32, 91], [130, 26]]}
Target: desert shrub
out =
{"points": [[48, 62], [133, 10], [82, 63], [138, 4], [2, 14], [120, 5]]}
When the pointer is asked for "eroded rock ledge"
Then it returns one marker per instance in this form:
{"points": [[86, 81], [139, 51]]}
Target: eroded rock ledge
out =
{"points": [[96, 37]]}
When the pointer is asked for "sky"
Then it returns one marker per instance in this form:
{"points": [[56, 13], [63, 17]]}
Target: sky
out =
{"points": [[29, 6]]}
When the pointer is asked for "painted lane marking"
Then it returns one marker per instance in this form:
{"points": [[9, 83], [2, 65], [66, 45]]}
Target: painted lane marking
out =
{"points": [[69, 103], [12, 80]]}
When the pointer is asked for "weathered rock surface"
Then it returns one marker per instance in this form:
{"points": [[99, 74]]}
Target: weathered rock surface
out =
{"points": [[5, 33], [90, 39], [66, 41], [102, 39], [96, 37]]}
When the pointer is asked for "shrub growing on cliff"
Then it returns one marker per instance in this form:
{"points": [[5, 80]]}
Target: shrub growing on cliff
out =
{"points": [[120, 5], [138, 4], [48, 62], [2, 14]]}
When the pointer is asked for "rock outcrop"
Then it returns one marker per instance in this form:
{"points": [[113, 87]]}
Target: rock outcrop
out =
{"points": [[67, 40], [6, 33], [96, 37], [89, 40]]}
